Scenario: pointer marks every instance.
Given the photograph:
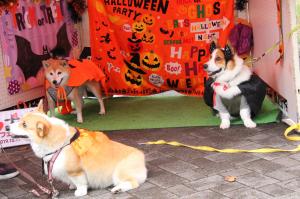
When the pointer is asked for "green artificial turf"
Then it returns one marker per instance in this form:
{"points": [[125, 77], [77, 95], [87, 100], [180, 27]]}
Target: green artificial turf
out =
{"points": [[156, 112]]}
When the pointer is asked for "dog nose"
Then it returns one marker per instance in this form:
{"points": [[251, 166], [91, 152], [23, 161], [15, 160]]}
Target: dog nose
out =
{"points": [[54, 82], [205, 66]]}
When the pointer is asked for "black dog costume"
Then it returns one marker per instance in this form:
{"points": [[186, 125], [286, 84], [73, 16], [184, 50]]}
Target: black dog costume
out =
{"points": [[254, 91]]}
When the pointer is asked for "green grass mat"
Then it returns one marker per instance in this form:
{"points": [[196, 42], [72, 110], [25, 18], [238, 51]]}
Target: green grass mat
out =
{"points": [[156, 112]]}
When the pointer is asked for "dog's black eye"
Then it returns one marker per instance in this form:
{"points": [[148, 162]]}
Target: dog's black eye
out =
{"points": [[218, 58], [51, 73], [59, 73], [24, 125]]}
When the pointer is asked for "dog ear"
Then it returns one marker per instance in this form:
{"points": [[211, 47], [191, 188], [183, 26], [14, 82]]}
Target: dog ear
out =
{"points": [[228, 52], [64, 63], [40, 107], [42, 129], [213, 46], [45, 63]]}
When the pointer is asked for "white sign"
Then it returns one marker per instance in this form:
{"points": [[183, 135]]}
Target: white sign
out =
{"points": [[7, 118]]}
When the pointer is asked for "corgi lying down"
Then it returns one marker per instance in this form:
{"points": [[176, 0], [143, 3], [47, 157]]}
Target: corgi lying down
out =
{"points": [[87, 159]]}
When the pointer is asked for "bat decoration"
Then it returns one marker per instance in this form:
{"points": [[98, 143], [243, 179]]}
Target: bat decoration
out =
{"points": [[165, 32], [104, 24], [29, 62], [241, 4], [63, 41], [172, 33], [109, 53], [98, 28], [106, 38]]}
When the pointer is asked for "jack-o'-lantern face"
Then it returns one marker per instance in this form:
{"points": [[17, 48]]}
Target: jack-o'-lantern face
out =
{"points": [[148, 19], [138, 27], [151, 60], [133, 78], [135, 47], [148, 37]]}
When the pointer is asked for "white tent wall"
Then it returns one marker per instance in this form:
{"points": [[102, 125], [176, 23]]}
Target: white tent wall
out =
{"points": [[284, 77]]}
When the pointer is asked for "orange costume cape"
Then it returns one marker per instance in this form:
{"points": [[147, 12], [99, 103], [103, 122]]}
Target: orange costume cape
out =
{"points": [[80, 72], [84, 142]]}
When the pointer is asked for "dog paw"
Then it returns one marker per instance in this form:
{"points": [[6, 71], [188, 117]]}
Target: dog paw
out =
{"points": [[72, 187], [225, 124], [249, 124], [102, 113], [80, 120], [80, 192], [116, 190]]}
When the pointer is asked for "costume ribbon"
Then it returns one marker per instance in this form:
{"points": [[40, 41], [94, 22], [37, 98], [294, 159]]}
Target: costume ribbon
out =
{"points": [[61, 95], [261, 150]]}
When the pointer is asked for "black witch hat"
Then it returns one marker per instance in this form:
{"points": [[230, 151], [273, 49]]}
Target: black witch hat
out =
{"points": [[134, 39]]}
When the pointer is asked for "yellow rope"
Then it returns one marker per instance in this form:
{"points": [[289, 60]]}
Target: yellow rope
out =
{"points": [[261, 150]]}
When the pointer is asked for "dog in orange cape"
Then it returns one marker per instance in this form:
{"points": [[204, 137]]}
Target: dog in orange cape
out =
{"points": [[65, 80], [81, 158]]}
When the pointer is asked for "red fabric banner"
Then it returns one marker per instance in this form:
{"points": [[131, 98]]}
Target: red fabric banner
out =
{"points": [[150, 46]]}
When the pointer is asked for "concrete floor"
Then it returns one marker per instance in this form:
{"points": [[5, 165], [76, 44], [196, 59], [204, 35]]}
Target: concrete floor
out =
{"points": [[185, 173]]}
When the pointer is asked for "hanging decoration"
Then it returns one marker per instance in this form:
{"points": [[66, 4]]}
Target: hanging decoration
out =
{"points": [[240, 5], [8, 5], [76, 9]]}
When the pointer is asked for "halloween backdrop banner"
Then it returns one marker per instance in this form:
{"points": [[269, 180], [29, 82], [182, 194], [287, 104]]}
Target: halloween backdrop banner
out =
{"points": [[150, 46], [29, 31]]}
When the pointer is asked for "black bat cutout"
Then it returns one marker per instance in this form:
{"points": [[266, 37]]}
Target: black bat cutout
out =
{"points": [[109, 54], [106, 38], [62, 40], [171, 35], [29, 62], [104, 24], [164, 31]]}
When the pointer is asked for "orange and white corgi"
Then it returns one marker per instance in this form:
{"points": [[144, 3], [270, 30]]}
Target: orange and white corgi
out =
{"points": [[58, 74], [237, 92], [86, 159]]}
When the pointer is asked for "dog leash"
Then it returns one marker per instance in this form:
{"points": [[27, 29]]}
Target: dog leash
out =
{"points": [[28, 177], [212, 149]]}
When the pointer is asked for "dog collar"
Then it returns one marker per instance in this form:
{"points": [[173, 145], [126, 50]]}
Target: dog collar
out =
{"points": [[55, 154], [75, 137]]}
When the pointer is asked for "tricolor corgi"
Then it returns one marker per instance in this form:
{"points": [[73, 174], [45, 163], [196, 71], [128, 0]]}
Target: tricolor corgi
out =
{"points": [[86, 159], [232, 87]]}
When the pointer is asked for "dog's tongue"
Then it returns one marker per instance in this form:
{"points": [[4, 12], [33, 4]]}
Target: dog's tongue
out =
{"points": [[1, 125]]}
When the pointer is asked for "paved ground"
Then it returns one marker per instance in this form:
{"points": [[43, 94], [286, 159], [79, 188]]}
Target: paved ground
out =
{"points": [[184, 173]]}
